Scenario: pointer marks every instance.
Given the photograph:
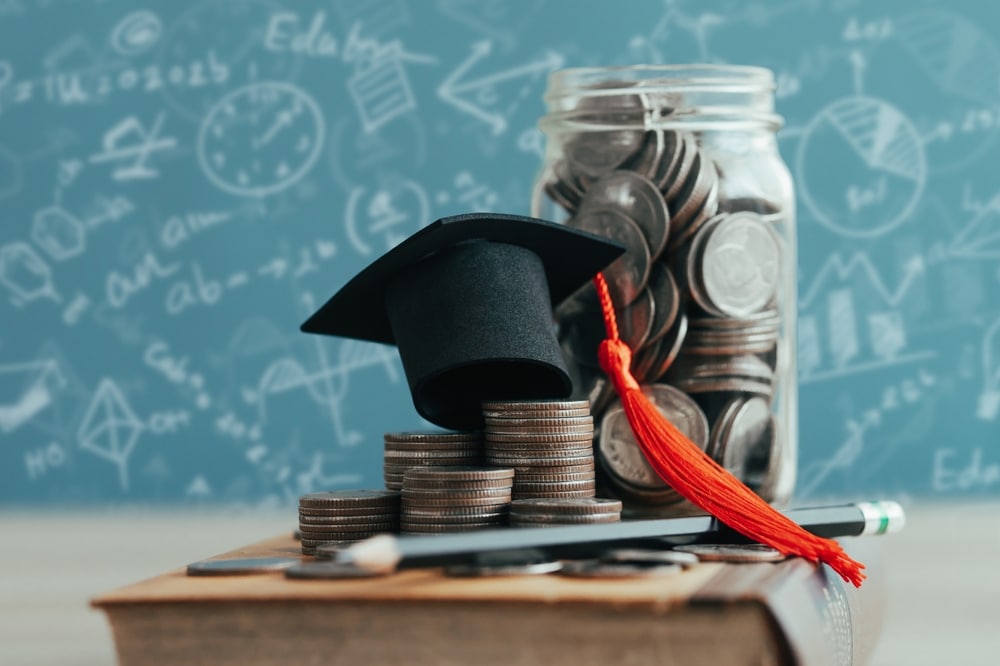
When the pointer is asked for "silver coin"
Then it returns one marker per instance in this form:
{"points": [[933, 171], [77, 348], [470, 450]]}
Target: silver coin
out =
{"points": [[749, 552], [484, 570], [669, 349], [421, 528], [431, 437], [522, 519], [337, 522], [744, 433], [458, 474], [740, 266], [590, 155], [240, 566], [628, 274], [553, 477], [668, 160], [581, 506], [638, 198], [686, 153], [328, 569], [650, 556], [502, 407], [548, 413], [347, 498], [619, 448], [587, 420], [667, 300], [332, 549], [699, 191], [532, 429], [615, 570]]}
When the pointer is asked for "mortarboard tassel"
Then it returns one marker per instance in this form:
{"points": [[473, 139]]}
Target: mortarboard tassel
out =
{"points": [[701, 480]]}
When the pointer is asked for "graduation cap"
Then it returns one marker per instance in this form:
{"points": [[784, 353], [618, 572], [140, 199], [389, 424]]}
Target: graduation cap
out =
{"points": [[468, 301]]}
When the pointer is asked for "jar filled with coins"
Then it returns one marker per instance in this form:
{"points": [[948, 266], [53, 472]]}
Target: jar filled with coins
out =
{"points": [[680, 164]]}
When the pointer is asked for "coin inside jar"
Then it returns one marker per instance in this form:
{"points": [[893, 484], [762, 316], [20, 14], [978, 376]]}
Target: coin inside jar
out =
{"points": [[627, 275], [638, 199]]}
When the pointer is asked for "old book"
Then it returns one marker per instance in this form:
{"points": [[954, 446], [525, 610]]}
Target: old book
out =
{"points": [[789, 612]]}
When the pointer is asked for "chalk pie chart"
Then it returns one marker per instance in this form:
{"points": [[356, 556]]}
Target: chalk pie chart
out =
{"points": [[860, 167]]}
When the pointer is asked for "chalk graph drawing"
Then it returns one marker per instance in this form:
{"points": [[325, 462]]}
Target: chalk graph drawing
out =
{"points": [[110, 429], [25, 274], [482, 97], [58, 232], [980, 238], [27, 389], [261, 139], [989, 399], [136, 33], [857, 339], [861, 167], [233, 31]]}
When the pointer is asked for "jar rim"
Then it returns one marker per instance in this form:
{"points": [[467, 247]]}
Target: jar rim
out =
{"points": [[653, 77]]}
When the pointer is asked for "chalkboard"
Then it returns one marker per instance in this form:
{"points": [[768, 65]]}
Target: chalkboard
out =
{"points": [[154, 269]]}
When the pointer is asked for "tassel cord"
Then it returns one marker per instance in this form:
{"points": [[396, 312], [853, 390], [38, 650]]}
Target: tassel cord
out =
{"points": [[695, 475]]}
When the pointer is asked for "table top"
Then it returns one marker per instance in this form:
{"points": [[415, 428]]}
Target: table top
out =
{"points": [[943, 585]]}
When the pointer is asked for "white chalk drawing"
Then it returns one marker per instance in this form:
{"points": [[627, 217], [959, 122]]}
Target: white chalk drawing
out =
{"points": [[199, 488], [25, 274], [861, 167], [240, 50], [10, 170], [386, 216], [980, 238], [74, 54], [261, 139], [40, 461], [837, 270], [855, 342], [482, 97], [28, 388], [110, 429], [58, 232], [130, 145], [379, 86], [988, 407], [907, 392], [136, 33]]}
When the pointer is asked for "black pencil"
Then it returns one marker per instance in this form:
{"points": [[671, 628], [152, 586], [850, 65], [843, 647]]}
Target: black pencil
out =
{"points": [[385, 553]]}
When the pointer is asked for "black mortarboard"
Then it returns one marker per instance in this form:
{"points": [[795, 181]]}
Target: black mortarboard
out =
{"points": [[468, 301]]}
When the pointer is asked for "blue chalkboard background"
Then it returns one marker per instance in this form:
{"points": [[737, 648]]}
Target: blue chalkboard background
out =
{"points": [[154, 270]]}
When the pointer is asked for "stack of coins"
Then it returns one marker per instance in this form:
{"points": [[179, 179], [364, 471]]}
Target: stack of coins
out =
{"points": [[428, 449], [455, 499], [346, 515], [539, 512], [548, 443], [696, 317]]}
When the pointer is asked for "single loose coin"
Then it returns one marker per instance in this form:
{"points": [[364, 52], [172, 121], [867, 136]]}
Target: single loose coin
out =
{"points": [[650, 556], [328, 569], [599, 569], [741, 265], [240, 566], [482, 570], [740, 552]]}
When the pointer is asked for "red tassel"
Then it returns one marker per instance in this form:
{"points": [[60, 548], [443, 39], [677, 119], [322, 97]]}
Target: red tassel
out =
{"points": [[701, 480]]}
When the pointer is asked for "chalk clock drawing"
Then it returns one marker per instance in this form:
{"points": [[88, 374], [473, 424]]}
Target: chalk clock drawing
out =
{"points": [[260, 139], [861, 167]]}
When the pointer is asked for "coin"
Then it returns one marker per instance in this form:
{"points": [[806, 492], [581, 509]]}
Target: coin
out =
{"points": [[482, 570], [334, 522], [578, 506], [328, 569], [432, 436], [649, 556], [346, 498], [332, 549], [749, 552], [240, 566], [618, 447], [531, 519], [599, 569], [458, 473], [503, 407], [637, 198], [493, 423], [740, 266], [742, 433], [763, 466], [627, 275], [592, 154]]}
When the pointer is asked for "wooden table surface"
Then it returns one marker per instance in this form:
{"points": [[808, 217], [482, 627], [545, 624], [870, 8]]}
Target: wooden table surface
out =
{"points": [[944, 577]]}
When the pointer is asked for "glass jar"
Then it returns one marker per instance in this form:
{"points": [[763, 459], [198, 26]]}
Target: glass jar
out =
{"points": [[681, 165]]}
